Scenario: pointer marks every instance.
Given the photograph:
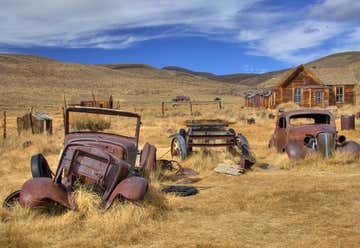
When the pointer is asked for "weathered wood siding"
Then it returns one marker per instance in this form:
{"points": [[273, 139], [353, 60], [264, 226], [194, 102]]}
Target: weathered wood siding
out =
{"points": [[301, 80], [349, 95]]}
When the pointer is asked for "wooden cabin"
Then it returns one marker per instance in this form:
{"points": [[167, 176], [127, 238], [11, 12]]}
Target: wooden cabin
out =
{"points": [[259, 99], [316, 87]]}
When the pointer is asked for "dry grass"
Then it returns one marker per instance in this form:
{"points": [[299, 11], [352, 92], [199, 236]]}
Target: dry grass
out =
{"points": [[311, 203]]}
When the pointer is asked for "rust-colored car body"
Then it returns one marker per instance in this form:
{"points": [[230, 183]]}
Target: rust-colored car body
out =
{"points": [[104, 160], [303, 139]]}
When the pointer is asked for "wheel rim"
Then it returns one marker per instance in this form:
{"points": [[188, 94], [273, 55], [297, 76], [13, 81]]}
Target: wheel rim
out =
{"points": [[176, 149]]}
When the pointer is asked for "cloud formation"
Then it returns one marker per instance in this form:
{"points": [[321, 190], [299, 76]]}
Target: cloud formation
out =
{"points": [[286, 33]]}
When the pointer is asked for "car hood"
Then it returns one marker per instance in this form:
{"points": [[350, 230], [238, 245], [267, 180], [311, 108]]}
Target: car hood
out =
{"points": [[119, 146], [299, 132]]}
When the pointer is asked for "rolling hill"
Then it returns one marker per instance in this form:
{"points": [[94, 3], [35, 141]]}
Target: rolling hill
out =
{"points": [[43, 81]]}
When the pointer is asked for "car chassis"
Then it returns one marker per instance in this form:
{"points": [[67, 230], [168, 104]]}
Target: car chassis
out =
{"points": [[210, 133]]}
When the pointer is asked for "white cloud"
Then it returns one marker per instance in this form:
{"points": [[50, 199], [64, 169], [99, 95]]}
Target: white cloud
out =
{"points": [[294, 36], [286, 42], [337, 10], [73, 23]]}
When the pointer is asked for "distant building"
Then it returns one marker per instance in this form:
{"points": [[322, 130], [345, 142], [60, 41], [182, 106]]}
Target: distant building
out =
{"points": [[317, 87]]}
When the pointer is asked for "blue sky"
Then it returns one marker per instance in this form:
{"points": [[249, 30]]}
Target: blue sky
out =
{"points": [[216, 36]]}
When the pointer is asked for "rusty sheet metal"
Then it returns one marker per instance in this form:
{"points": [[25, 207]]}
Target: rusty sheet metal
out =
{"points": [[38, 190], [347, 122], [148, 159], [350, 148], [11, 199], [295, 151], [132, 188]]}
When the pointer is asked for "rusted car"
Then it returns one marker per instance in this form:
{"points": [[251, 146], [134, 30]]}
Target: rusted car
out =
{"points": [[303, 132], [96, 153]]}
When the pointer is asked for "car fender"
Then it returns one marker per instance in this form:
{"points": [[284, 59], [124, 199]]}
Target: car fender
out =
{"points": [[350, 147], [131, 188], [40, 189], [295, 150], [148, 159]]}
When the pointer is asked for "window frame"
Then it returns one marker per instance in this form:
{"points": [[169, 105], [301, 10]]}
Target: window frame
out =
{"points": [[342, 94], [297, 96], [319, 98]]}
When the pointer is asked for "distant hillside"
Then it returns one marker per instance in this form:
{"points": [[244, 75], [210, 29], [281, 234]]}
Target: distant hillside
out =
{"points": [[333, 67], [229, 78], [38, 81], [34, 80]]}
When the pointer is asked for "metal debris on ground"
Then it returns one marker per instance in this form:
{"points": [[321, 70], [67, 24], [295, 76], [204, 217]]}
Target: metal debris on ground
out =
{"points": [[230, 169], [250, 121], [26, 144], [173, 165], [181, 190]]}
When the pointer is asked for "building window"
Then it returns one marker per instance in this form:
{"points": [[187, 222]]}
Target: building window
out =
{"points": [[297, 95], [318, 97], [339, 94]]}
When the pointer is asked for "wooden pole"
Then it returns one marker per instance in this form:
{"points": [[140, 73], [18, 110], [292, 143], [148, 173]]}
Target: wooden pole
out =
{"points": [[63, 116], [31, 121], [4, 134], [163, 108], [191, 110]]}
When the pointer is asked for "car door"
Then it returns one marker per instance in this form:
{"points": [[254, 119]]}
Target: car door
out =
{"points": [[281, 134]]}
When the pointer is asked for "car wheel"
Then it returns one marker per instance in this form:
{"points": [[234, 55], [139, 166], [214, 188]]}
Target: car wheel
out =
{"points": [[178, 147], [39, 166]]}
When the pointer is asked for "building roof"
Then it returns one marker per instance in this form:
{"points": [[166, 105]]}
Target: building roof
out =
{"points": [[316, 87], [335, 75], [322, 75], [296, 71]]}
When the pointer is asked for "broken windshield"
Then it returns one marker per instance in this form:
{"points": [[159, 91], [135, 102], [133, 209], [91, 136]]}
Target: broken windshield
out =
{"points": [[310, 119]]}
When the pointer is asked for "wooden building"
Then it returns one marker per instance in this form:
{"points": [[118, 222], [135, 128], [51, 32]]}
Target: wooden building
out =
{"points": [[259, 99], [316, 87]]}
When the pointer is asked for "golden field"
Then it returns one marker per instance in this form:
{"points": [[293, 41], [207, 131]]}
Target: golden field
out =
{"points": [[310, 203]]}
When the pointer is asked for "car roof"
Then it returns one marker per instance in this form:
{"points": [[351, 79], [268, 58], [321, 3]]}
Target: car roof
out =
{"points": [[304, 112]]}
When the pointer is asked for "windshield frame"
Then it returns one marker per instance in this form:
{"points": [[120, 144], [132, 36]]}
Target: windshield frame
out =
{"points": [[310, 116], [101, 111]]}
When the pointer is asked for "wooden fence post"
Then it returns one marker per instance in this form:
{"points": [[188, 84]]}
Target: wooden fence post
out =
{"points": [[4, 134], [163, 108]]}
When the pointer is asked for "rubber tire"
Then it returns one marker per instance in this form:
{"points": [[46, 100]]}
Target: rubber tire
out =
{"points": [[39, 166], [243, 140], [182, 143], [181, 190], [182, 132], [11, 199]]}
